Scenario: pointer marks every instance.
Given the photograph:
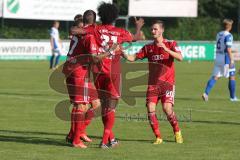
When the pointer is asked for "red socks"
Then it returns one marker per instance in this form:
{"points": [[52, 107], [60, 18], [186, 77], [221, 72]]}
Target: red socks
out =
{"points": [[152, 117], [79, 124], [108, 119], [174, 122], [71, 132]]}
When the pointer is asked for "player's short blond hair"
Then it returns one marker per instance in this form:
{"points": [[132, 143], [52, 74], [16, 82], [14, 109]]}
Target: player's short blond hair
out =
{"points": [[227, 23]]}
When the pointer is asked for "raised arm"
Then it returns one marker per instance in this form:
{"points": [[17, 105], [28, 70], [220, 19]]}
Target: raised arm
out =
{"points": [[138, 26]]}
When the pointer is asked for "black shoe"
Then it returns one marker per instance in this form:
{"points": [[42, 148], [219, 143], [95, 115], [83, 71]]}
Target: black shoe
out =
{"points": [[68, 140], [104, 146], [114, 143]]}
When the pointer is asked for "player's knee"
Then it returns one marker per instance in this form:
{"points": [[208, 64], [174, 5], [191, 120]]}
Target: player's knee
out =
{"points": [[112, 103], [215, 78], [82, 107], [107, 131], [96, 104], [168, 108], [232, 77], [151, 107]]}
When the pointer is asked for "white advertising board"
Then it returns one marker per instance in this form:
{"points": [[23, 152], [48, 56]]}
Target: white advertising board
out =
{"points": [[1, 8], [28, 49], [48, 9], [163, 8]]}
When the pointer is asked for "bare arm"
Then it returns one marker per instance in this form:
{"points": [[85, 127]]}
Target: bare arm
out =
{"points": [[138, 26], [51, 42], [77, 30], [129, 57], [98, 57], [230, 53]]}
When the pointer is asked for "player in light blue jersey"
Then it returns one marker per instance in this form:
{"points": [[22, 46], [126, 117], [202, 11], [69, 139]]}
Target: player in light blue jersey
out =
{"points": [[56, 45], [224, 62]]}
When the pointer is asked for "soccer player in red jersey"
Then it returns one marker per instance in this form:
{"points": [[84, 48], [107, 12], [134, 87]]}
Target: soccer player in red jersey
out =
{"points": [[78, 22], [83, 50], [161, 81], [107, 73]]}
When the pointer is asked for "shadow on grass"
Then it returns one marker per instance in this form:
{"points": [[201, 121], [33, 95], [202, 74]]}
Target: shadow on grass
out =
{"points": [[32, 137], [40, 138], [132, 140], [215, 122], [33, 140], [31, 133]]}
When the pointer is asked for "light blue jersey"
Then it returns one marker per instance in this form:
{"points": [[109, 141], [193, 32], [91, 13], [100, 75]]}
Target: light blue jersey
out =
{"points": [[224, 40]]}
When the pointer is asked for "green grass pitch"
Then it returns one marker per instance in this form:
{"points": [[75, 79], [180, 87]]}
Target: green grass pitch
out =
{"points": [[30, 130]]}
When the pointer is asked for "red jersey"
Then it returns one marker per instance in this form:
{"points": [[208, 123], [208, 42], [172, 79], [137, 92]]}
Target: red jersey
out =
{"points": [[78, 59], [106, 36], [161, 63]]}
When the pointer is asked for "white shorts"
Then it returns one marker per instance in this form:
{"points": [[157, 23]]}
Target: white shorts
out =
{"points": [[220, 68], [56, 52]]}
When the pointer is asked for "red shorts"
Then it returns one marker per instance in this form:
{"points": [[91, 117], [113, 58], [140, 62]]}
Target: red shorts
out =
{"points": [[81, 90], [108, 85], [165, 92]]}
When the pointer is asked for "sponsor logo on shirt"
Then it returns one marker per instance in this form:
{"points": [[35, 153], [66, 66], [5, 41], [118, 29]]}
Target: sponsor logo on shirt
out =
{"points": [[157, 57]]}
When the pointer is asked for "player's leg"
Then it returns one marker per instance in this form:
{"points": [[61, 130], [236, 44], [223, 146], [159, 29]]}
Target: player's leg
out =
{"points": [[108, 118], [58, 55], [151, 102], [218, 71], [108, 87], [70, 86], [167, 100], [100, 82], [52, 60], [92, 112], [171, 116], [232, 84], [78, 98], [92, 97], [210, 84], [79, 118], [69, 137], [153, 121]]}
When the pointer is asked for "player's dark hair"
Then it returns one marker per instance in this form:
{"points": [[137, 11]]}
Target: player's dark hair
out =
{"points": [[107, 12], [77, 22], [89, 17], [159, 22], [77, 17]]}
